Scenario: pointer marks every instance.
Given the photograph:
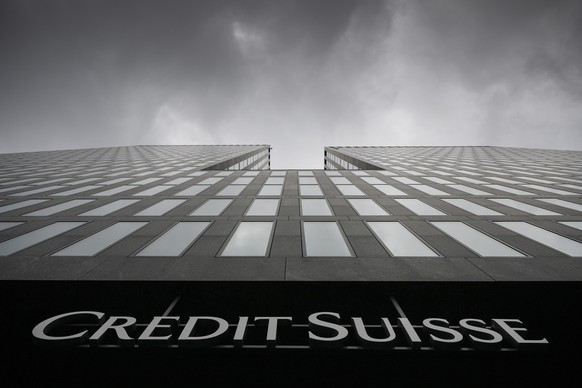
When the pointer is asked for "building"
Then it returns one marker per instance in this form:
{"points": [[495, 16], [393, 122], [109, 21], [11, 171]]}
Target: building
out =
{"points": [[415, 265]]}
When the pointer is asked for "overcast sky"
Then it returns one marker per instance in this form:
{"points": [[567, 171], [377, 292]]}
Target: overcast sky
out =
{"points": [[294, 74]]}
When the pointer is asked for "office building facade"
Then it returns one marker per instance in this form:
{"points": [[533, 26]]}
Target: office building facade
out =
{"points": [[418, 265]]}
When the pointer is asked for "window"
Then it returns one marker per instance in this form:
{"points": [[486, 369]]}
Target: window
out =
{"points": [[178, 181], [275, 181], [161, 208], [92, 245], [278, 173], [146, 181], [525, 207], [406, 181], [373, 180], [350, 190], [8, 225], [472, 207], [557, 202], [399, 241], [550, 239], [367, 207], [213, 207], [210, 181], [573, 224], [469, 190], [305, 173], [113, 191], [152, 191], [263, 207], [478, 242], [440, 181], [315, 207], [550, 190], [429, 190], [110, 208], [271, 190], [249, 239], [37, 191], [420, 208], [324, 239], [231, 190], [242, 181], [59, 208], [193, 190], [176, 240], [307, 190], [307, 180], [340, 180], [29, 239], [19, 205], [509, 190], [389, 190]]}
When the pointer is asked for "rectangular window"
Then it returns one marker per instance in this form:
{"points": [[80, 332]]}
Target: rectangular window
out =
{"points": [[420, 208], [573, 224], [307, 180], [242, 181], [176, 240], [161, 208], [152, 191], [399, 241], [309, 190], [367, 207], [360, 173], [471, 180], [305, 173], [509, 190], [278, 173], [249, 239], [193, 190], [469, 190], [429, 190], [557, 202], [263, 207], [390, 190], [472, 208], [178, 181], [110, 208], [550, 190], [550, 239], [19, 205], [37, 191], [372, 180], [113, 181], [212, 207], [350, 190], [114, 191], [440, 181], [478, 242], [29, 239], [92, 245], [275, 181], [76, 191], [324, 239], [333, 173], [524, 207], [575, 187], [59, 208], [270, 190], [315, 207], [8, 225], [146, 181], [231, 190], [210, 181], [340, 180]]}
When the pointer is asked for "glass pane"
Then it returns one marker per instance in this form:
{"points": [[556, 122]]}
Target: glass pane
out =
{"points": [[509, 190], [305, 173], [76, 191], [350, 190], [263, 207], [152, 191], [110, 208], [274, 190], [399, 241], [92, 245], [469, 190], [340, 180], [552, 240], [161, 208], [175, 241], [573, 224], [178, 181], [360, 173], [37, 236], [59, 208], [306, 180], [249, 239], [550, 190], [113, 191], [231, 190], [405, 180], [19, 205], [213, 207], [324, 239], [389, 190], [429, 190], [310, 190], [278, 173], [525, 207], [373, 180], [146, 181], [558, 202], [479, 242], [193, 190], [8, 225], [275, 181], [472, 207], [242, 181], [315, 207], [419, 207], [36, 191], [210, 181], [367, 207]]}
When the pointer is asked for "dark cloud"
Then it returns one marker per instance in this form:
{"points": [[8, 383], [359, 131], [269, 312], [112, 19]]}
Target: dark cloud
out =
{"points": [[295, 74]]}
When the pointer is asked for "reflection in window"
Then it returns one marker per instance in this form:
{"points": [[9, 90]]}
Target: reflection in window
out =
{"points": [[161, 208], [249, 239], [478, 242], [212, 207], [550, 239], [324, 239], [92, 245], [367, 207], [29, 239], [399, 241], [263, 207], [420, 208], [176, 240], [315, 207]]}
